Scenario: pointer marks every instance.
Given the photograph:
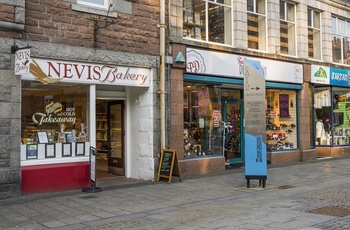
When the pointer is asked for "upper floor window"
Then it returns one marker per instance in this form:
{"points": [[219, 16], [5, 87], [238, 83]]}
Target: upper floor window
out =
{"points": [[95, 3], [341, 40], [314, 34], [256, 24], [208, 20], [287, 28]]}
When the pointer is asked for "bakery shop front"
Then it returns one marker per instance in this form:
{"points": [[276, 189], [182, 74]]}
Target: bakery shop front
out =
{"points": [[66, 108]]}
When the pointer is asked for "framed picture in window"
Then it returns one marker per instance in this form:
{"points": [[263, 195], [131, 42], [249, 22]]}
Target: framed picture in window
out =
{"points": [[32, 151], [80, 148], [66, 149], [42, 137], [50, 151]]}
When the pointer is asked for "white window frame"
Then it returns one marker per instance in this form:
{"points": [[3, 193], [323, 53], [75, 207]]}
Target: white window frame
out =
{"points": [[104, 6], [265, 22], [312, 26], [341, 35], [206, 39], [285, 19]]}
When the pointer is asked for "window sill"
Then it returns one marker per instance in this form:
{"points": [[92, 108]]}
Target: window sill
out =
{"points": [[92, 10]]}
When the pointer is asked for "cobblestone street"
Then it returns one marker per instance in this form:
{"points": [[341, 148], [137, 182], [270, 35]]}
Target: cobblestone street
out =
{"points": [[297, 196]]}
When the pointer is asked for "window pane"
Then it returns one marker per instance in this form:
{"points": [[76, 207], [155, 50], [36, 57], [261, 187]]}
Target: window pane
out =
{"points": [[70, 101], [281, 119], [346, 50], [217, 23], [282, 10], [250, 5], [256, 32], [94, 2], [207, 21], [260, 5], [290, 12], [309, 18], [287, 31], [336, 51], [194, 19], [316, 20], [341, 27], [334, 25], [323, 115]]}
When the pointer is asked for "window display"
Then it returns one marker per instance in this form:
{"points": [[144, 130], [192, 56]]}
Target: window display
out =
{"points": [[281, 119], [212, 121], [54, 113], [332, 116]]}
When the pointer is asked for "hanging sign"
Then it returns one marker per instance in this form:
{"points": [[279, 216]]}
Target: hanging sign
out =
{"points": [[22, 59]]}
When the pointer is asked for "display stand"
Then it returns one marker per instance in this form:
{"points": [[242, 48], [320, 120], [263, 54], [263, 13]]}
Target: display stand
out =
{"points": [[169, 165], [262, 180], [92, 173]]}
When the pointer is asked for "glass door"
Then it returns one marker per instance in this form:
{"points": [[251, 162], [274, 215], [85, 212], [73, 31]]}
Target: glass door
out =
{"points": [[116, 137], [233, 141]]}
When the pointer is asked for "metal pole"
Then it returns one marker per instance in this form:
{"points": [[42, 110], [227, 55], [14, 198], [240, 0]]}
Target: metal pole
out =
{"points": [[162, 91]]}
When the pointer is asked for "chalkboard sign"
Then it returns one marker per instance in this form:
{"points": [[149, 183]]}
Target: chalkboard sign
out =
{"points": [[169, 165]]}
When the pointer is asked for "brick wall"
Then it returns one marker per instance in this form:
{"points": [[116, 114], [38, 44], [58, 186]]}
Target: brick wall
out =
{"points": [[56, 22]]}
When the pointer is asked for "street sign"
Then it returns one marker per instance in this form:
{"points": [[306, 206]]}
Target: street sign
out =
{"points": [[254, 122]]}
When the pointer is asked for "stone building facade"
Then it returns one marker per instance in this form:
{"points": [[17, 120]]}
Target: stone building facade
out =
{"points": [[122, 34], [256, 30]]}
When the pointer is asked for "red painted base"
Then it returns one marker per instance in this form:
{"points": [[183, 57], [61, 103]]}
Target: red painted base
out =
{"points": [[54, 177]]}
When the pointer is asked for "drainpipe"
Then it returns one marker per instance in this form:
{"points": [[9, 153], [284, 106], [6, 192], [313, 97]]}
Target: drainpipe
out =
{"points": [[162, 91]]}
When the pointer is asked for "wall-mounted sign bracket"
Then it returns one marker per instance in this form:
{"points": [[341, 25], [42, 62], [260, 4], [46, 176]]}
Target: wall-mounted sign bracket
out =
{"points": [[15, 48]]}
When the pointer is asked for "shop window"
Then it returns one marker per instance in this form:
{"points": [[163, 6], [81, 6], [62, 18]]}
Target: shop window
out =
{"points": [[256, 24], [314, 34], [102, 7], [287, 28], [94, 3], [332, 116], [341, 41], [281, 120], [208, 21], [55, 113]]}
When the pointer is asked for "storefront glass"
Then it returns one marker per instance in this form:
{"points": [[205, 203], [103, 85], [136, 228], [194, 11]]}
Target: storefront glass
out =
{"points": [[211, 120], [54, 113], [332, 110], [281, 119], [205, 134]]}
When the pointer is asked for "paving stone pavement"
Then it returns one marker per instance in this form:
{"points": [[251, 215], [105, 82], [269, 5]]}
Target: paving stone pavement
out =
{"points": [[306, 196]]}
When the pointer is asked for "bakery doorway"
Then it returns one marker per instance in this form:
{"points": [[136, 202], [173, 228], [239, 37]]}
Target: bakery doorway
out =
{"points": [[109, 138]]}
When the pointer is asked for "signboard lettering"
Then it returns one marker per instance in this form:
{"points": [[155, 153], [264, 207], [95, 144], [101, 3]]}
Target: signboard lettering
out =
{"points": [[169, 165], [48, 71]]}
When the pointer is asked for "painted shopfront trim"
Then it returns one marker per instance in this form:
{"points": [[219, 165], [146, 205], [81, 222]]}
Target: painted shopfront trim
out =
{"points": [[222, 80], [232, 65], [51, 71], [54, 177]]}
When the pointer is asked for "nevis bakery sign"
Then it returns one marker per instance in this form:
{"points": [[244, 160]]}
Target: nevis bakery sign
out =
{"points": [[50, 71]]}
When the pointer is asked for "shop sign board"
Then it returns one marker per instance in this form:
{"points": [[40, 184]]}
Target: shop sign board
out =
{"points": [[22, 59], [254, 121], [51, 71], [339, 77], [320, 74], [231, 65], [330, 76], [169, 165]]}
